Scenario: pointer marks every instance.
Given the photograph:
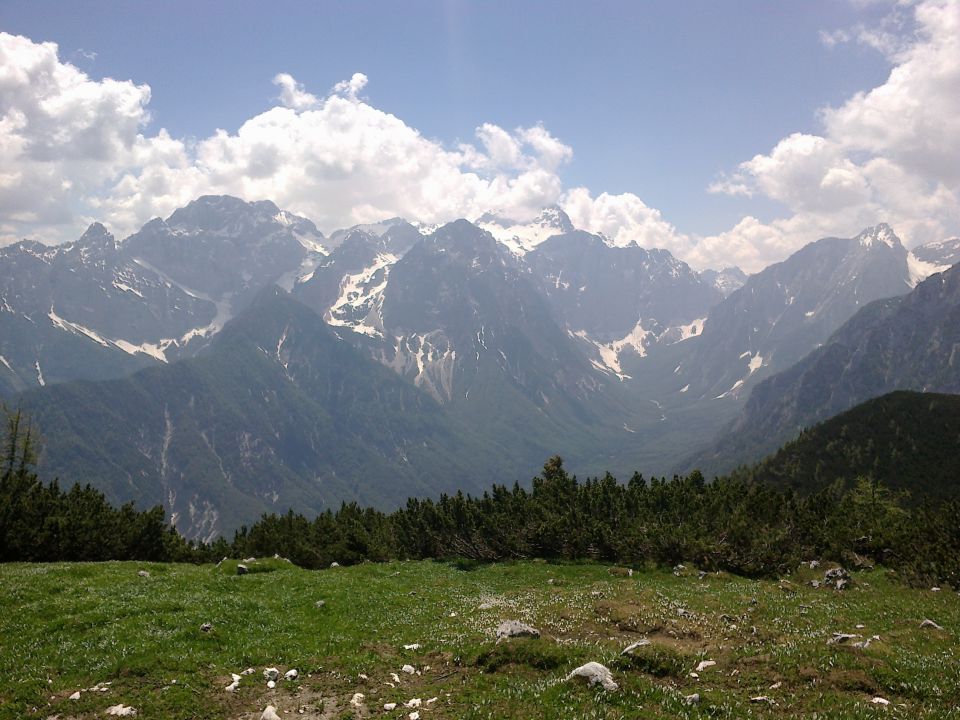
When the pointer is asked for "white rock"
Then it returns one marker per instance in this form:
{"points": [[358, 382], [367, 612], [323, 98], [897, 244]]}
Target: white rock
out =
{"points": [[413, 703], [75, 696], [412, 646], [692, 699], [928, 623], [235, 677], [357, 699], [291, 674], [408, 669], [269, 713], [395, 677], [431, 701], [633, 646], [880, 701], [513, 628], [232, 687], [121, 710], [840, 638], [248, 671], [485, 606], [334, 564], [271, 673], [414, 715], [389, 706], [271, 684], [143, 573], [704, 664], [761, 699], [595, 673]]}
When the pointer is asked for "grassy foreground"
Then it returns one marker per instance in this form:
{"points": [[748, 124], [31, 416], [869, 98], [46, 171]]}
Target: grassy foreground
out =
{"points": [[66, 627]]}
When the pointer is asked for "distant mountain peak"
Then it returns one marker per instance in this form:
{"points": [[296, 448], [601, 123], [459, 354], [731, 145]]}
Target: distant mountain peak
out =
{"points": [[521, 236], [881, 233], [97, 236]]}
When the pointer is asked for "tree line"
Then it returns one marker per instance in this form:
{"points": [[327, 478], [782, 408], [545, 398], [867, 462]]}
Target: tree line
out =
{"points": [[733, 524]]}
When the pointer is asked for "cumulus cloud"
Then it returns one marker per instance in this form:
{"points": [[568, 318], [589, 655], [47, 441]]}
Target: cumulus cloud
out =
{"points": [[62, 135], [625, 219], [891, 153], [72, 148]]}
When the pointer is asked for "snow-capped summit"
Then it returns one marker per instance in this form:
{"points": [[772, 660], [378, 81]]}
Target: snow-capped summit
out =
{"points": [[881, 233], [522, 237]]}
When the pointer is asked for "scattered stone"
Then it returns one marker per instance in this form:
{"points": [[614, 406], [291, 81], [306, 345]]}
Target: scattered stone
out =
{"points": [[269, 713], [814, 584], [928, 623], [683, 612], [271, 684], [412, 646], [704, 664], [414, 715], [206, 627], [249, 559], [860, 626], [143, 573], [692, 699], [233, 676], [633, 646], [695, 676], [389, 706], [775, 686], [334, 564], [121, 710], [864, 644], [413, 703], [396, 678], [291, 674], [677, 569], [840, 638], [837, 577], [271, 673], [248, 671], [357, 700], [242, 569], [761, 699], [232, 687], [320, 603], [75, 696], [595, 673], [701, 575], [408, 669], [514, 628], [814, 564], [934, 589], [880, 701], [485, 606]]}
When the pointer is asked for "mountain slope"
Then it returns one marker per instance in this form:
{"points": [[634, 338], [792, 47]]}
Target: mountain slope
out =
{"points": [[905, 440], [276, 413], [787, 310], [910, 342]]}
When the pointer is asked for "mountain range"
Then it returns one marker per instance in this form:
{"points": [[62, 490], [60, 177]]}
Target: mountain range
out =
{"points": [[232, 359]]}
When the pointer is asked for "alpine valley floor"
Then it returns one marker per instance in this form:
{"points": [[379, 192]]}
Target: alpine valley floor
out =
{"points": [[67, 627]]}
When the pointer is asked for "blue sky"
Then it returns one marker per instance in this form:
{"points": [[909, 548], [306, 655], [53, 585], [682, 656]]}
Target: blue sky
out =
{"points": [[656, 99]]}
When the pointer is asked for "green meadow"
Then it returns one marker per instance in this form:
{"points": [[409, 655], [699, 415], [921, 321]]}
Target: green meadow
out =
{"points": [[125, 639]]}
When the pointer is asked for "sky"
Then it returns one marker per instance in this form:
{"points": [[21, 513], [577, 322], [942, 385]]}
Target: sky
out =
{"points": [[726, 132]]}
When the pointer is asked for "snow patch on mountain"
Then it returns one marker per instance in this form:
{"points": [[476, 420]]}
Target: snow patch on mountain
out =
{"points": [[429, 358], [920, 270], [358, 307], [522, 237]]}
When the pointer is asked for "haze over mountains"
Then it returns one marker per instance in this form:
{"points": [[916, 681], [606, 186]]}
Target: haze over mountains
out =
{"points": [[231, 359]]}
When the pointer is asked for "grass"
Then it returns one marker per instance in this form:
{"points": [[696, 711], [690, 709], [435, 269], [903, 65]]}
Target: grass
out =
{"points": [[66, 627]]}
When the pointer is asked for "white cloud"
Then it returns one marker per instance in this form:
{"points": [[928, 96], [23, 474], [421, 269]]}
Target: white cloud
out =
{"points": [[292, 94], [72, 148], [891, 154], [62, 136], [625, 219]]}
